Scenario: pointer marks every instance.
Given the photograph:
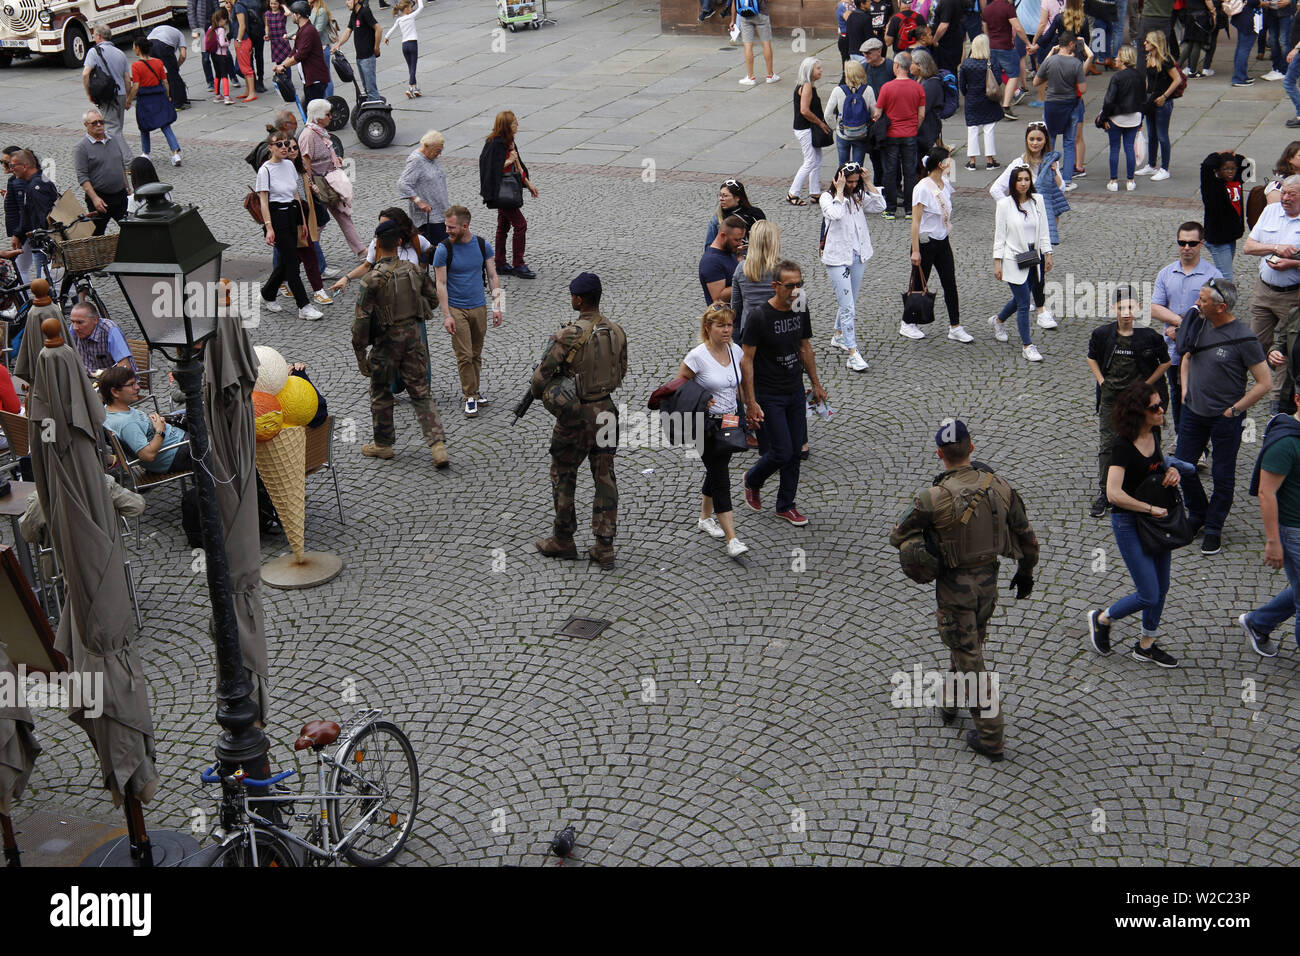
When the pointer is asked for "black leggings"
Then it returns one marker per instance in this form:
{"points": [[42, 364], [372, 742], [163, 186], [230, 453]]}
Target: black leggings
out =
{"points": [[717, 478], [938, 252], [284, 220], [411, 51]]}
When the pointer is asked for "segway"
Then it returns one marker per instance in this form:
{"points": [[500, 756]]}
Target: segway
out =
{"points": [[372, 119], [289, 93]]}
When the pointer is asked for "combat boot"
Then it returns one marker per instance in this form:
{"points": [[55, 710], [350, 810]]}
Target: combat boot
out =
{"points": [[554, 547], [602, 552], [440, 459], [374, 450], [973, 742]]}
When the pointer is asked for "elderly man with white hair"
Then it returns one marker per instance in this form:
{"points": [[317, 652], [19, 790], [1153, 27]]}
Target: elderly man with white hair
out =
{"points": [[113, 62], [423, 184], [98, 162], [317, 151]]}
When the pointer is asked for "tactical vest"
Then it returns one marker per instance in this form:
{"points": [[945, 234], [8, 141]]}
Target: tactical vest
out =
{"points": [[595, 361], [971, 518], [397, 293]]}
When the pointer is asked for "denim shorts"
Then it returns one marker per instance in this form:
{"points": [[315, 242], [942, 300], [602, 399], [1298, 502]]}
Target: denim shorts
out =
{"points": [[1008, 61]]}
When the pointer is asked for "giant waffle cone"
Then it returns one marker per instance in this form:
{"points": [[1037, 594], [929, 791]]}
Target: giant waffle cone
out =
{"points": [[282, 463]]}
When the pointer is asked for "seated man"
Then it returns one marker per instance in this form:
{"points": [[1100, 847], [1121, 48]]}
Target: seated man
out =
{"points": [[98, 341], [149, 437]]}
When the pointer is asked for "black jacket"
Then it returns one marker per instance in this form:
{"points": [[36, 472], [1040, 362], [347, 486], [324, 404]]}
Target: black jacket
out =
{"points": [[13, 204], [1223, 223], [1149, 351], [491, 163], [39, 197], [690, 398], [1126, 93]]}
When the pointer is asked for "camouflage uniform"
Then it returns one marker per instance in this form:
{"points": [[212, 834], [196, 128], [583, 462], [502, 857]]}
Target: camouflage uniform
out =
{"points": [[577, 424], [397, 347], [967, 597]]}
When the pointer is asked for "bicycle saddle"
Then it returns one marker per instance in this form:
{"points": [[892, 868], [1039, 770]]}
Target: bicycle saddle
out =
{"points": [[317, 734]]}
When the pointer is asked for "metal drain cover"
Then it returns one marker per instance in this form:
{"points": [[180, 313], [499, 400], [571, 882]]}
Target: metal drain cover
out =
{"points": [[584, 627]]}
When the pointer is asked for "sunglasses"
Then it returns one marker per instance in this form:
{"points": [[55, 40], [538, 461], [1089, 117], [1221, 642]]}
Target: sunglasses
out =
{"points": [[792, 285], [1157, 407], [94, 122], [733, 184], [1042, 126], [1189, 243], [718, 307], [281, 143], [851, 168]]}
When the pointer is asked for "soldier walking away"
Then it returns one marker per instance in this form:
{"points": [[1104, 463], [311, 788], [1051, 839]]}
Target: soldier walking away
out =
{"points": [[586, 361], [394, 298], [953, 535]]}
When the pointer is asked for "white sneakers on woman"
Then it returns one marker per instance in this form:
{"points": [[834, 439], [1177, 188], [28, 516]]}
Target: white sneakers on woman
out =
{"points": [[1031, 353], [857, 363], [1159, 174], [837, 340], [999, 328], [910, 331], [1146, 170], [710, 526], [958, 334], [736, 547], [1046, 320]]}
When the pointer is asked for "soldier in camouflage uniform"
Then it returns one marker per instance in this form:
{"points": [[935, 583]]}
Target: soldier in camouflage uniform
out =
{"points": [[966, 567], [393, 298], [585, 423]]}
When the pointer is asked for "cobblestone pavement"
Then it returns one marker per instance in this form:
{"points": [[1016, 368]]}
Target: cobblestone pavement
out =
{"points": [[733, 712]]}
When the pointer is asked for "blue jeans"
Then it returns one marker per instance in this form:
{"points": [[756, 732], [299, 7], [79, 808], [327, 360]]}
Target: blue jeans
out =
{"points": [[1158, 134], [1223, 435], [1289, 83], [785, 428], [1222, 253], [369, 82], [167, 135], [1150, 573], [1174, 376], [1278, 23], [1125, 137], [846, 281], [1115, 31], [1241, 55], [1059, 117], [855, 150], [1019, 304], [1262, 620]]}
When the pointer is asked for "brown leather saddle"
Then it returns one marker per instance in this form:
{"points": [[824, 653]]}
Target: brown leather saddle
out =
{"points": [[317, 734]]}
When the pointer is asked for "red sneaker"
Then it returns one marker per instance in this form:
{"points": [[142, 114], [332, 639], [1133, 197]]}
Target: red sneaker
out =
{"points": [[752, 499], [793, 516]]}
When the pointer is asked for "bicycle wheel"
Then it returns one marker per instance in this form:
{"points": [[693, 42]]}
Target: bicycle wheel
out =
{"points": [[384, 791], [73, 296], [272, 851]]}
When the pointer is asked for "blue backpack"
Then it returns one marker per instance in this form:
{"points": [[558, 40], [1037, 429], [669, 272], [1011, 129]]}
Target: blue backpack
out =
{"points": [[855, 118], [951, 98], [747, 8]]}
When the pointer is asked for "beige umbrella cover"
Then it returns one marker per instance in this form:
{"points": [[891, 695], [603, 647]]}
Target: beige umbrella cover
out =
{"points": [[30, 347], [283, 464], [18, 743]]}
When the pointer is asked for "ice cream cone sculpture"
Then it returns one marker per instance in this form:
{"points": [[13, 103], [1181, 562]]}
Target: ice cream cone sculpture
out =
{"points": [[282, 461]]}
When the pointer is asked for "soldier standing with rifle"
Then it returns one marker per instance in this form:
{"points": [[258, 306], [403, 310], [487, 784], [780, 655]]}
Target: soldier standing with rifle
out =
{"points": [[953, 535], [586, 361], [394, 297]]}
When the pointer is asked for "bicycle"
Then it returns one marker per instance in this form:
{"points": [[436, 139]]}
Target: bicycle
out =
{"points": [[364, 812], [71, 265]]}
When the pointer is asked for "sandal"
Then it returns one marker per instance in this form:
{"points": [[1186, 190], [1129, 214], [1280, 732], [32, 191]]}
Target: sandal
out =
{"points": [[970, 164], [795, 200], [814, 199]]}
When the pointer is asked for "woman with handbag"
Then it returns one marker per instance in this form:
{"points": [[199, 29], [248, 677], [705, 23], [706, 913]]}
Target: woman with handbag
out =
{"points": [[277, 191], [318, 153], [503, 177], [1121, 114], [1022, 245], [982, 96], [1045, 164], [931, 226], [715, 362], [1139, 413], [152, 96], [847, 248], [811, 131]]}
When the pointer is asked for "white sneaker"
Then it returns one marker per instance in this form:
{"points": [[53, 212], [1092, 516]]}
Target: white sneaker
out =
{"points": [[330, 273], [711, 527], [774, 78], [1031, 353], [176, 158], [837, 341], [748, 81], [857, 363], [1207, 72], [736, 547], [958, 334], [322, 298], [999, 328], [1146, 170], [272, 306], [1162, 174], [1112, 186], [1069, 187], [1273, 76], [910, 330], [310, 313], [1046, 320], [1130, 185]]}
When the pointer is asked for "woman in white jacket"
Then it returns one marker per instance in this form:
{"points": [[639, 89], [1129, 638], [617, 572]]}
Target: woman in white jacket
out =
{"points": [[1020, 234], [847, 249]]}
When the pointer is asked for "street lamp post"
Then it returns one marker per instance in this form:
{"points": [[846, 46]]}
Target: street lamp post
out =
{"points": [[167, 265]]}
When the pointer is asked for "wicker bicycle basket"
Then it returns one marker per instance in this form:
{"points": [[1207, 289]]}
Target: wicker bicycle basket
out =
{"points": [[87, 255]]}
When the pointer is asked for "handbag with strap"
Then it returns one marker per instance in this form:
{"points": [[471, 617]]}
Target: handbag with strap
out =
{"points": [[510, 194], [1171, 532], [992, 88], [253, 206], [1028, 259], [728, 431], [918, 301], [820, 138]]}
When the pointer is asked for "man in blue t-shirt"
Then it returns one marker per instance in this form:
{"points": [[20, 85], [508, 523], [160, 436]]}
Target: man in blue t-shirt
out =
{"points": [[718, 264], [160, 446], [464, 305]]}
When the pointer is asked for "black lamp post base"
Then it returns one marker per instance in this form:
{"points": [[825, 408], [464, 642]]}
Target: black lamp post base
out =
{"points": [[169, 848]]}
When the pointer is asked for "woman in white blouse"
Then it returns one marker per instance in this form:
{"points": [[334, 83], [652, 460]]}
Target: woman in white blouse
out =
{"points": [[847, 248], [931, 225], [277, 188], [1021, 246]]}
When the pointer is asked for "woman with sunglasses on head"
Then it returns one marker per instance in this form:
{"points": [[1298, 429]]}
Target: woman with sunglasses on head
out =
{"points": [[1121, 114], [1021, 247], [847, 247], [1045, 165], [277, 188], [715, 365], [309, 253], [1136, 456], [931, 228], [732, 201]]}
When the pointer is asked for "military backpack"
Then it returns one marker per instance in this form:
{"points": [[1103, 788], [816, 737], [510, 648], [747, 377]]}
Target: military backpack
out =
{"points": [[970, 518], [596, 361], [397, 294]]}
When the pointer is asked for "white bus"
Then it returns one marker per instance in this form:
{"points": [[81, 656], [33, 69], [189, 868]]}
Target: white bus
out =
{"points": [[63, 27]]}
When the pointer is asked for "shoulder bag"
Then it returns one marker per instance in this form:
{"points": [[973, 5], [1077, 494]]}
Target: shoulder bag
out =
{"points": [[1169, 533], [510, 194], [721, 432], [253, 206], [918, 301]]}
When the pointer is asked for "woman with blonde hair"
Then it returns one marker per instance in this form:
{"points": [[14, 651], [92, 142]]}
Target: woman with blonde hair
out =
{"points": [[1162, 80], [499, 159], [715, 365], [751, 285], [857, 95], [982, 114], [1121, 113]]}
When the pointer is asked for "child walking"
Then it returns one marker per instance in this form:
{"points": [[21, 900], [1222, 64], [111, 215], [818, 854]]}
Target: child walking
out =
{"points": [[406, 12], [217, 43]]}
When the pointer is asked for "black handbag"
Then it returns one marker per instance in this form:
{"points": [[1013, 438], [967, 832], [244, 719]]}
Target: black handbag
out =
{"points": [[510, 194], [1171, 532], [918, 301], [821, 139], [1106, 11], [734, 438], [1028, 259]]}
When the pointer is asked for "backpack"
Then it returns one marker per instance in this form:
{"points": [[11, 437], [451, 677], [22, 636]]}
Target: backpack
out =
{"points": [[747, 8], [855, 118], [1255, 204], [398, 295], [210, 40], [970, 519], [482, 248], [103, 88], [951, 98], [252, 20], [596, 360]]}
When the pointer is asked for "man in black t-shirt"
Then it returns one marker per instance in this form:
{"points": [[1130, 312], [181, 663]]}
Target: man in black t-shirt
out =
{"points": [[365, 31], [857, 29], [948, 33], [778, 350]]}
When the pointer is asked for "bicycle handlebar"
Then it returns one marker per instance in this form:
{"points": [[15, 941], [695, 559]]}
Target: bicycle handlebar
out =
{"points": [[211, 776]]}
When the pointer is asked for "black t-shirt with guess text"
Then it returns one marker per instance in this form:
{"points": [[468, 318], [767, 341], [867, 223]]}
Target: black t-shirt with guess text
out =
{"points": [[776, 337]]}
